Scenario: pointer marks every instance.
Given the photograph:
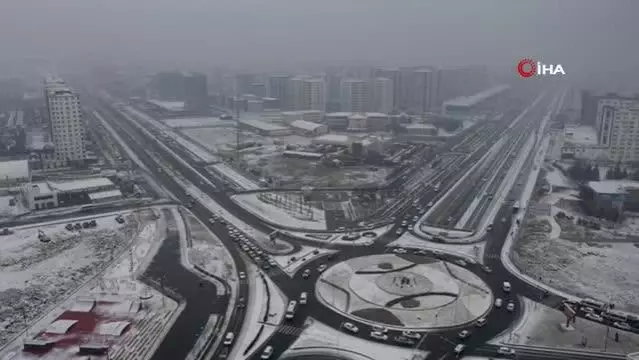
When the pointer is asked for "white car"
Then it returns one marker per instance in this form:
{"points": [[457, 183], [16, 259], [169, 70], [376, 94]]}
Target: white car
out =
{"points": [[399, 231], [380, 329], [622, 325], [505, 351], [242, 275], [410, 228], [400, 251], [321, 268], [379, 336], [350, 327], [430, 204], [267, 353], [411, 334], [460, 262], [498, 303], [459, 349], [464, 334], [594, 317], [481, 322], [511, 306]]}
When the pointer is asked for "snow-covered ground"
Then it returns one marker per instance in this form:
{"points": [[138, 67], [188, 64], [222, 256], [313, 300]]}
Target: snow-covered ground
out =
{"points": [[145, 229], [195, 122], [267, 207], [475, 251], [557, 178], [8, 210], [541, 326], [320, 339], [255, 311], [234, 176]]}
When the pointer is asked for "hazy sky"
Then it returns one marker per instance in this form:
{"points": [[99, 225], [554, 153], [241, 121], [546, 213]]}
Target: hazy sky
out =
{"points": [[281, 33]]}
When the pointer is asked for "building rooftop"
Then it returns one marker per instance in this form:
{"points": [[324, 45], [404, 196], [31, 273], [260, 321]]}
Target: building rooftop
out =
{"points": [[81, 184], [334, 138], [305, 125], [585, 135], [169, 105], [468, 101], [258, 123], [349, 114], [420, 126], [105, 194], [14, 170], [613, 186], [302, 112], [303, 153]]}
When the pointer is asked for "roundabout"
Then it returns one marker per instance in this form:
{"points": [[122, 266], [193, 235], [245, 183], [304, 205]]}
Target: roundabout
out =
{"points": [[417, 294]]}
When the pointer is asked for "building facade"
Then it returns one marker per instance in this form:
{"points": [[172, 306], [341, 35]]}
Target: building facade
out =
{"points": [[382, 95], [66, 123], [354, 95], [195, 92], [617, 124]]}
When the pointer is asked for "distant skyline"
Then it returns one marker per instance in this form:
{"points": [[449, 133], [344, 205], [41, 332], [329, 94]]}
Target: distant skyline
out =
{"points": [[583, 35]]}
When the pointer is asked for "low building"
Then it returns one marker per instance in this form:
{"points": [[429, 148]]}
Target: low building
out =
{"points": [[303, 155], [337, 121], [307, 128], [466, 107], [610, 198], [105, 196], [49, 194], [333, 139], [420, 129], [578, 142], [14, 172], [357, 123], [264, 128], [316, 116]]}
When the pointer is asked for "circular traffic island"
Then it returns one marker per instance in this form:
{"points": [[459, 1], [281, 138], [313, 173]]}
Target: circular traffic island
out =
{"points": [[392, 291]]}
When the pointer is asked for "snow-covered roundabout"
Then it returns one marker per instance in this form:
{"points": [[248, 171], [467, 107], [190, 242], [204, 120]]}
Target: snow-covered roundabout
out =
{"points": [[396, 292]]}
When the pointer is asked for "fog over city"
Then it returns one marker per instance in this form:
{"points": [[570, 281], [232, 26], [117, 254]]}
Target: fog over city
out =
{"points": [[280, 34]]}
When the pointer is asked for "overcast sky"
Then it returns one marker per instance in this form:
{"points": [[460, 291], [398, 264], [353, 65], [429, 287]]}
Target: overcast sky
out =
{"points": [[280, 33]]}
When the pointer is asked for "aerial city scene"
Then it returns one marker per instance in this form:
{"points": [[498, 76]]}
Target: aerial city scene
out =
{"points": [[317, 180]]}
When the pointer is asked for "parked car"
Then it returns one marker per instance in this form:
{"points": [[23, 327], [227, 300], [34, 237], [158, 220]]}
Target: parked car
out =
{"points": [[511, 306], [498, 303], [350, 327], [506, 351], [481, 322], [306, 273], [379, 336], [594, 317], [411, 334]]}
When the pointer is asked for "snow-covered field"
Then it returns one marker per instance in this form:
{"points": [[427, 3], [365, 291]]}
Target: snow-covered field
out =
{"points": [[556, 178], [320, 339], [58, 273], [268, 208], [195, 122], [8, 210], [541, 326], [336, 238], [606, 271], [305, 255]]}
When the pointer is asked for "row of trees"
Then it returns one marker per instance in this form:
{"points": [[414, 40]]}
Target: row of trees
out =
{"points": [[584, 172]]}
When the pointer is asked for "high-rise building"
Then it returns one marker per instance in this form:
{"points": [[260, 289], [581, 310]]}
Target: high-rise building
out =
{"points": [[278, 87], [382, 90], [243, 82], [168, 86], [307, 93], [195, 92], [460, 81], [394, 75], [65, 122], [354, 95], [617, 125], [418, 90]]}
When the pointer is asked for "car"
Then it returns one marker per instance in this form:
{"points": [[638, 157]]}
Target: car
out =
{"points": [[341, 228], [460, 262], [410, 227], [212, 220], [471, 261], [594, 317], [350, 327], [303, 298], [415, 218], [487, 269], [242, 275], [306, 273], [404, 340], [267, 353], [498, 303], [321, 267], [399, 250], [430, 204], [399, 231], [228, 339], [420, 252], [464, 334], [379, 335], [503, 220], [505, 351], [381, 329], [481, 322], [411, 334], [459, 348], [489, 227], [511, 306], [622, 325], [506, 286], [404, 223], [438, 253], [587, 309]]}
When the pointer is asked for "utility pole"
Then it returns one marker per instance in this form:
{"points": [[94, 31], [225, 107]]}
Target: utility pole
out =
{"points": [[238, 131]]}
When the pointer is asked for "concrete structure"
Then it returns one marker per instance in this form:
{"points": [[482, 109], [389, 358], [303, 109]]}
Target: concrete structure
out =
{"points": [[609, 198], [337, 121], [422, 91], [303, 155], [105, 196], [307, 93], [354, 95], [307, 128], [167, 86], [333, 139], [277, 87], [468, 106], [66, 123], [256, 124], [420, 129], [578, 142], [256, 106], [357, 123], [316, 116], [394, 75], [49, 194], [382, 95], [195, 92], [170, 106], [348, 121], [617, 124], [14, 172]]}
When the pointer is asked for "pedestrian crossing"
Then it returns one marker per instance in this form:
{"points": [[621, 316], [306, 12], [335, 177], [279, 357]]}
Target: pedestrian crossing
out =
{"points": [[290, 330]]}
